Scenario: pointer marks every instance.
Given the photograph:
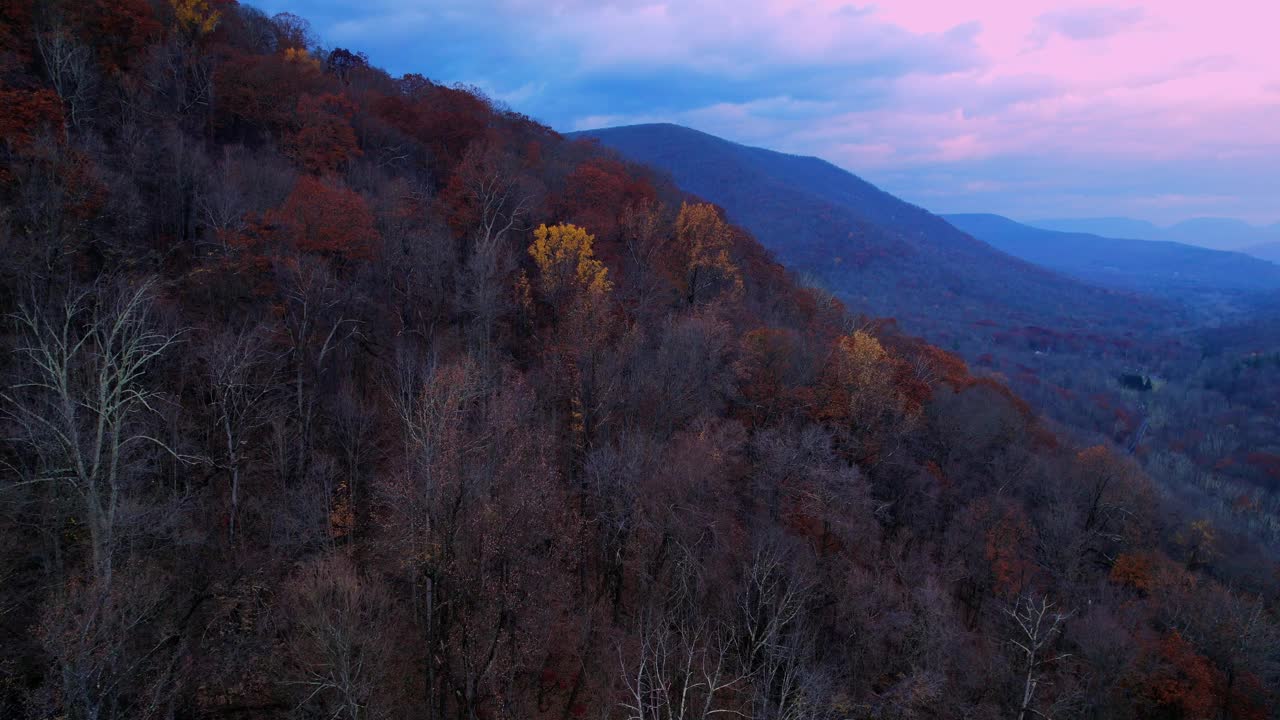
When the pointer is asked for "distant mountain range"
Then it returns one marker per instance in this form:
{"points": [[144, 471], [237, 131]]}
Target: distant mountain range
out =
{"points": [[1217, 233], [883, 254], [1266, 251], [1155, 266]]}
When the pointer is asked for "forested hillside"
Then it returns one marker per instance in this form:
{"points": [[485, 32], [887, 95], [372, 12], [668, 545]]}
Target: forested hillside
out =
{"points": [[331, 394], [1130, 366]]}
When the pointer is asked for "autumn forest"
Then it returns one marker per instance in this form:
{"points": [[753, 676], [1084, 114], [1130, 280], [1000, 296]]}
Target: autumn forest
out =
{"points": [[332, 394]]}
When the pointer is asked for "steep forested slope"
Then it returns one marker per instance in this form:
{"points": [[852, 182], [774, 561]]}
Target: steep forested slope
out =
{"points": [[1072, 349], [331, 394], [886, 256]]}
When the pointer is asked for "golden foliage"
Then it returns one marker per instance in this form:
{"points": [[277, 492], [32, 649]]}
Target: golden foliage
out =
{"points": [[861, 392], [566, 260], [706, 240], [302, 57], [195, 17], [864, 371]]}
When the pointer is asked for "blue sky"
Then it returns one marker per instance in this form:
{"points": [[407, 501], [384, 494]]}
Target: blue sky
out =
{"points": [[1154, 109]]}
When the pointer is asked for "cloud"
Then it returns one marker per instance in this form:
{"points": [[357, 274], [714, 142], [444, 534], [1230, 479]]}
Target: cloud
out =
{"points": [[1022, 105], [1090, 23]]}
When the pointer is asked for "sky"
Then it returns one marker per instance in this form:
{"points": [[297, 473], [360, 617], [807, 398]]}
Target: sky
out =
{"points": [[1160, 110]]}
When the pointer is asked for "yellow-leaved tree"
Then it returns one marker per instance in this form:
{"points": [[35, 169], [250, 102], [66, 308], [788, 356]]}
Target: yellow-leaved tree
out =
{"points": [[577, 285], [195, 18], [300, 56], [863, 371], [567, 263], [705, 240], [862, 395]]}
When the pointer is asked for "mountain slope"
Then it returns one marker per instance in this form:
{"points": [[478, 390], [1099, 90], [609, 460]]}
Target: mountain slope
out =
{"points": [[868, 246], [1145, 265], [1216, 233], [1225, 233], [1103, 226], [1266, 251]]}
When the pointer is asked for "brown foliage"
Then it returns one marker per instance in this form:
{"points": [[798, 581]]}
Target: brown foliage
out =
{"points": [[1008, 541], [27, 115], [321, 216], [1133, 570], [598, 190], [321, 139], [771, 375], [1174, 679]]}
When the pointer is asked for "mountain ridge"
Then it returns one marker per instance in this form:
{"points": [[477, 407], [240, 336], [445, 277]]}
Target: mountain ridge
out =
{"points": [[867, 245], [1155, 266], [1212, 232], [1266, 251]]}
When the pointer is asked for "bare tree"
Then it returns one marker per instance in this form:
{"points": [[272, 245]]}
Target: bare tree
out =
{"points": [[43, 192], [498, 199], [352, 421], [1038, 625], [646, 235], [684, 667], [341, 647], [242, 379], [612, 477], [420, 261], [493, 186], [772, 639], [70, 68], [681, 672], [427, 498], [316, 320], [478, 522], [180, 77], [114, 651], [81, 406]]}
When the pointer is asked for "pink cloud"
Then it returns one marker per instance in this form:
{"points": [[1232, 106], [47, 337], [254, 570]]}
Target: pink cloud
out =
{"points": [[1087, 23], [1158, 76], [926, 94]]}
